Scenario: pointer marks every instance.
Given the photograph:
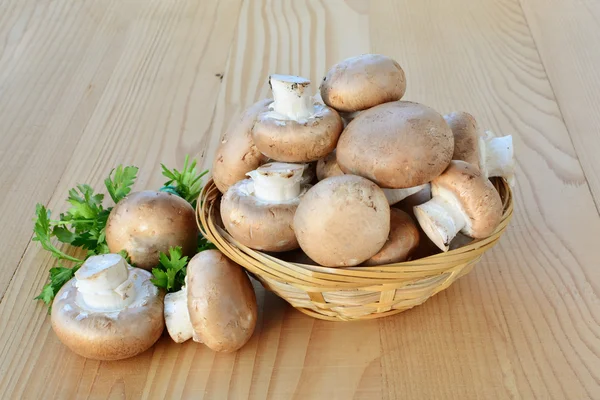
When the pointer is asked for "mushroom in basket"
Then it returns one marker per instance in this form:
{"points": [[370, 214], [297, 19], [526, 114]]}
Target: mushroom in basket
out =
{"points": [[463, 201], [296, 128], [342, 221], [237, 155], [493, 156], [259, 211]]}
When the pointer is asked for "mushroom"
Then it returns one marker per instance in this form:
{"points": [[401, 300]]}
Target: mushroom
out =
{"points": [[463, 201], [397, 145], [147, 223], [342, 221], [109, 310], [426, 246], [217, 306], [362, 82], [328, 166], [258, 212], [237, 154], [492, 155], [296, 128], [402, 241]]}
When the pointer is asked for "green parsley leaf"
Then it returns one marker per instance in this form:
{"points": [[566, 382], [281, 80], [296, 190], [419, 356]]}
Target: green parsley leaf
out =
{"points": [[120, 184], [58, 277], [186, 184], [160, 278], [63, 234], [167, 274], [43, 234]]}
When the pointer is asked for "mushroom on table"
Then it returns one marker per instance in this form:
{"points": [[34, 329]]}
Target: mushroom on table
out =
{"points": [[109, 310], [147, 223], [217, 306]]}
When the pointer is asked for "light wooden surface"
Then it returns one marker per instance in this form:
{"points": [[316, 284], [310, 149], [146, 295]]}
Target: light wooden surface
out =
{"points": [[86, 85]]}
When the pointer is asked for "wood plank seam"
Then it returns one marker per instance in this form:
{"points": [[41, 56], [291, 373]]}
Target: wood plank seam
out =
{"points": [[555, 98]]}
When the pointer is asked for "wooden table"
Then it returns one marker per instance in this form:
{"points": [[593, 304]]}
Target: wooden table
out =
{"points": [[86, 85]]}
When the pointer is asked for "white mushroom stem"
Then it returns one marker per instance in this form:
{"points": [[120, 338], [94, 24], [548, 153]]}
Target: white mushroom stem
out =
{"points": [[106, 283], [497, 156], [395, 195], [441, 218], [291, 97], [277, 182], [177, 316]]}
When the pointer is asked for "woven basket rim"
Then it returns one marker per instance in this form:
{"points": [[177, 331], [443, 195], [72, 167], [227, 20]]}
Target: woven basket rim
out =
{"points": [[310, 278]]}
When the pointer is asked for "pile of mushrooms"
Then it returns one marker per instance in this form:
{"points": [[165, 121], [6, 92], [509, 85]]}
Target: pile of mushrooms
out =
{"points": [[358, 177], [394, 180], [111, 310]]}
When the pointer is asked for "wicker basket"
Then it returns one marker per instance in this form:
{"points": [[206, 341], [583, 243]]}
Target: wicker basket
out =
{"points": [[354, 293]]}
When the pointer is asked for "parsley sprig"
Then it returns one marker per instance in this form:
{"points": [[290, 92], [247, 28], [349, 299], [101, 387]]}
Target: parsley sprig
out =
{"points": [[186, 184], [83, 225]]}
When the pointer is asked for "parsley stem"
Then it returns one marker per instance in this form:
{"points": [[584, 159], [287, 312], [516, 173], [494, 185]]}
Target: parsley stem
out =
{"points": [[71, 221]]}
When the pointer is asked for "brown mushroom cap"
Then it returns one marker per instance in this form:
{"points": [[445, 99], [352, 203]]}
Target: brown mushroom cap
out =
{"points": [[342, 221], [362, 82], [221, 302], [479, 199], [237, 154], [402, 241], [147, 223], [426, 246], [466, 137], [328, 166], [298, 141], [257, 224], [397, 145], [102, 335]]}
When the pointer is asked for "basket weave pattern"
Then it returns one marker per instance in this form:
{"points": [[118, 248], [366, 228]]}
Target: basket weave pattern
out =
{"points": [[353, 293]]}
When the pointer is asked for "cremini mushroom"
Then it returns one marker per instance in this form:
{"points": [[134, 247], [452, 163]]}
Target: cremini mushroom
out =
{"points": [[362, 82], [402, 241], [147, 223], [342, 221], [217, 306], [296, 128], [328, 166], [463, 201], [109, 310], [237, 154], [492, 155], [258, 212], [426, 246], [397, 145]]}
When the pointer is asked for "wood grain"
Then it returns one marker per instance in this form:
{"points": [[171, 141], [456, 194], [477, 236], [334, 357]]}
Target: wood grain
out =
{"points": [[530, 307], [565, 35], [85, 86]]}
